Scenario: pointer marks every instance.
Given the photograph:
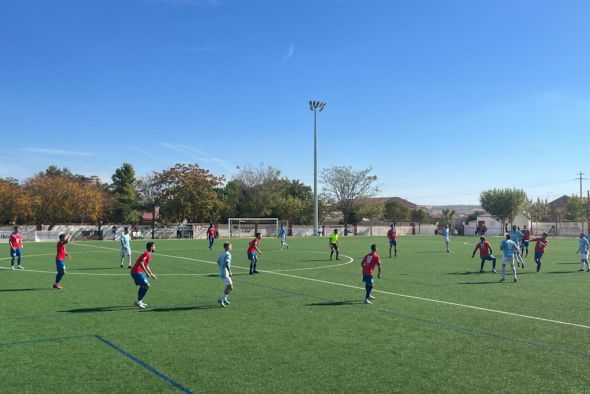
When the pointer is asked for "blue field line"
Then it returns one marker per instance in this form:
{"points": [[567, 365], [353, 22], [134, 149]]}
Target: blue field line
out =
{"points": [[143, 364], [50, 339], [446, 326]]}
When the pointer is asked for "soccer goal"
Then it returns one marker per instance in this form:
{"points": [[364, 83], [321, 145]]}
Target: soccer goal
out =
{"points": [[247, 227]]}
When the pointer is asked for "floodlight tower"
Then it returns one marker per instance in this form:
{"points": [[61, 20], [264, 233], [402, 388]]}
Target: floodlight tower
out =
{"points": [[315, 106]]}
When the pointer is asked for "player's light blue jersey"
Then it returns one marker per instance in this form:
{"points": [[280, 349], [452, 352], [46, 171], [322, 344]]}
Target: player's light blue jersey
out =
{"points": [[282, 233], [508, 247], [446, 233], [584, 245], [126, 241], [516, 236], [224, 262]]}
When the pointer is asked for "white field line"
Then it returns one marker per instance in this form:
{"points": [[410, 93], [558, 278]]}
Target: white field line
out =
{"points": [[408, 296]]}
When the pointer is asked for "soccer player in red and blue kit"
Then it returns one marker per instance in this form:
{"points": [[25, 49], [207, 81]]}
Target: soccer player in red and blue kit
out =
{"points": [[526, 238], [16, 248], [252, 253], [392, 236], [485, 253], [60, 260], [138, 272], [540, 245], [369, 263], [211, 234]]}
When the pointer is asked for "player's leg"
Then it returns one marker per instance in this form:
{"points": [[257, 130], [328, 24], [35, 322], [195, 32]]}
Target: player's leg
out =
{"points": [[493, 263], [513, 271], [61, 271], [368, 288], [129, 262], [390, 247], [483, 260], [251, 258], [255, 264], [538, 257], [12, 257], [337, 252], [122, 258], [331, 251], [503, 270], [19, 254]]}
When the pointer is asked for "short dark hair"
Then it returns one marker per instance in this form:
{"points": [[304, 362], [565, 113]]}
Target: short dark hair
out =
{"points": [[226, 245], [482, 238], [257, 234], [149, 245], [373, 247], [545, 235], [507, 236]]}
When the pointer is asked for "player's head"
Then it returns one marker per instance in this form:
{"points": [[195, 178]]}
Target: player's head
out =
{"points": [[16, 229], [392, 226], [227, 246], [581, 235], [210, 224], [482, 238], [150, 247], [335, 231], [282, 226], [507, 236], [373, 248], [258, 235], [545, 235], [126, 230], [514, 226], [62, 237], [524, 227]]}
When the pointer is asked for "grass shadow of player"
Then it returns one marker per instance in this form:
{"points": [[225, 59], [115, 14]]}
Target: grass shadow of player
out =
{"points": [[335, 303], [32, 289], [100, 309], [463, 273], [562, 272], [568, 263], [183, 308], [479, 283]]}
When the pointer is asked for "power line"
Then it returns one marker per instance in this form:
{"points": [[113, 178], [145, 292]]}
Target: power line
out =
{"points": [[580, 178]]}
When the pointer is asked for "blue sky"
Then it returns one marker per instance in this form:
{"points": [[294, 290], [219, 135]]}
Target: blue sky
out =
{"points": [[441, 98]]}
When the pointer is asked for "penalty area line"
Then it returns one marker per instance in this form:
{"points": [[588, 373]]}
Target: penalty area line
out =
{"points": [[478, 308]]}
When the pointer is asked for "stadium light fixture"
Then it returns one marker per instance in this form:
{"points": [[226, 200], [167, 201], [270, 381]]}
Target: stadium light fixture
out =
{"points": [[314, 106]]}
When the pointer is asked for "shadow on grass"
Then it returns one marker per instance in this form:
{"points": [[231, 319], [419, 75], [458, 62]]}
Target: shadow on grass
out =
{"points": [[478, 283], [100, 309], [335, 303], [183, 308], [568, 263], [96, 268], [429, 252], [36, 289], [563, 272], [463, 273], [320, 260]]}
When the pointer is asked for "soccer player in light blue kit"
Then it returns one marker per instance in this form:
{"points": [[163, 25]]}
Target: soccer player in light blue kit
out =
{"points": [[584, 245], [283, 237], [126, 247], [516, 236], [224, 263], [447, 236], [510, 249]]}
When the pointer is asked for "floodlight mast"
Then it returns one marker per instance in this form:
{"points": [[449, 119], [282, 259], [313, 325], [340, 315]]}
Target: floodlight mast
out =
{"points": [[315, 106]]}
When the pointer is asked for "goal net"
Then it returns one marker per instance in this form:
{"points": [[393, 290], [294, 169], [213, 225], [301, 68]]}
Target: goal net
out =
{"points": [[247, 227]]}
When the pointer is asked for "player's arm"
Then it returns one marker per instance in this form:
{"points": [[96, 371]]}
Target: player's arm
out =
{"points": [[379, 270], [257, 250], [148, 270], [474, 250]]}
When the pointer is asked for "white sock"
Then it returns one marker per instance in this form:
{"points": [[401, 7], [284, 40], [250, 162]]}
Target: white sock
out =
{"points": [[514, 272], [503, 272], [225, 297]]}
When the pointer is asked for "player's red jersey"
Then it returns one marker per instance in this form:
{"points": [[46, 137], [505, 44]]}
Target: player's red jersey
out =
{"points": [[485, 249], [540, 245], [16, 240], [392, 234], [211, 232], [61, 251], [147, 256], [253, 245], [526, 235], [370, 261]]}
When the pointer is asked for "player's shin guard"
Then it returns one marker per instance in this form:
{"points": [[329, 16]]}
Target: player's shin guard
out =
{"points": [[251, 268], [514, 271], [538, 261], [141, 292], [59, 276], [368, 288], [12, 262], [481, 266], [503, 271], [494, 264]]}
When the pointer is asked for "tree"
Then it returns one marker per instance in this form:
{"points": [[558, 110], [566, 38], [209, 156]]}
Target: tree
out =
{"points": [[539, 210], [15, 203], [473, 215], [149, 192], [503, 204], [259, 189], [396, 212], [348, 187], [371, 210], [419, 216], [448, 217], [124, 187], [187, 191], [575, 209], [65, 199]]}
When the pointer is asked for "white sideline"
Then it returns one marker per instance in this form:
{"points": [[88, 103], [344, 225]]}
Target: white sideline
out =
{"points": [[397, 294]]}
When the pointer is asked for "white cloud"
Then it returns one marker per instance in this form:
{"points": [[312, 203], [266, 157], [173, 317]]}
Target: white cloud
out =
{"points": [[290, 53], [59, 152]]}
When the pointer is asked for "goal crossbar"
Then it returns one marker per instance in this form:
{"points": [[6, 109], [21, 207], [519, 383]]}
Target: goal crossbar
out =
{"points": [[247, 227]]}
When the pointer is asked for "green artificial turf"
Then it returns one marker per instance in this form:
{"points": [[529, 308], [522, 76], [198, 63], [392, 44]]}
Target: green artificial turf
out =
{"points": [[299, 326]]}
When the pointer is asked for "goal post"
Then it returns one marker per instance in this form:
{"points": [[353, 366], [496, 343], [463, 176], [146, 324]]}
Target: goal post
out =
{"points": [[247, 227]]}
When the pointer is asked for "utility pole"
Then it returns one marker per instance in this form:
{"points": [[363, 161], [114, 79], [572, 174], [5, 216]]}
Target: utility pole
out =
{"points": [[580, 178], [315, 106]]}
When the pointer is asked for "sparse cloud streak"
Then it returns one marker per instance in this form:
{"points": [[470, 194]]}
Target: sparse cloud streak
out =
{"points": [[199, 155], [289, 54], [59, 152]]}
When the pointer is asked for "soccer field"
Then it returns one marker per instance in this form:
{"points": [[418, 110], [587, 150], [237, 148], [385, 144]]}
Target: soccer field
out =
{"points": [[436, 325]]}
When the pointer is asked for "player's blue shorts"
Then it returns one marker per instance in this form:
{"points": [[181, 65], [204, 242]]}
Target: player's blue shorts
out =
{"points": [[525, 243], [251, 256], [139, 279], [538, 255], [368, 279], [393, 242], [60, 265], [16, 252], [489, 257]]}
